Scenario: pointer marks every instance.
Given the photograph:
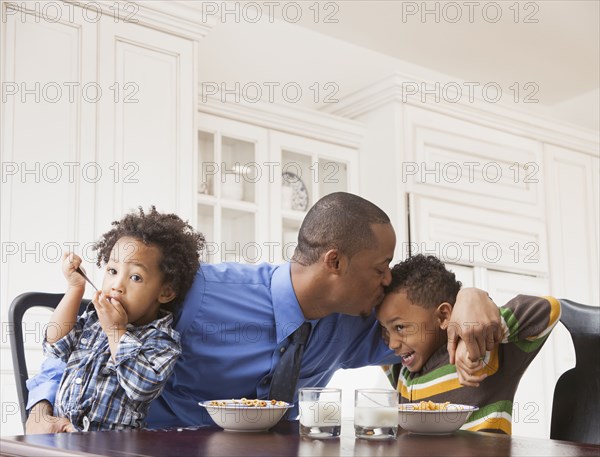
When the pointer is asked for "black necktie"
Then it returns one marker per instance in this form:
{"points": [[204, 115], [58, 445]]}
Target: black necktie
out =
{"points": [[287, 371]]}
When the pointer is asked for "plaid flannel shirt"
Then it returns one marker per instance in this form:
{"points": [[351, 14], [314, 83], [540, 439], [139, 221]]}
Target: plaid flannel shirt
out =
{"points": [[113, 394]]}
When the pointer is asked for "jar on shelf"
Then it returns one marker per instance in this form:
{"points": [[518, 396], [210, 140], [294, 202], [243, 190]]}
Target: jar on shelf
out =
{"points": [[232, 182]]}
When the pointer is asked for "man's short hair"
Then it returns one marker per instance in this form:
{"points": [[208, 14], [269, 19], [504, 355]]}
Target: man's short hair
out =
{"points": [[425, 280], [339, 220]]}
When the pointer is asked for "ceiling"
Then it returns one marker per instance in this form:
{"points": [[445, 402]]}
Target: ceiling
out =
{"points": [[555, 61], [560, 52]]}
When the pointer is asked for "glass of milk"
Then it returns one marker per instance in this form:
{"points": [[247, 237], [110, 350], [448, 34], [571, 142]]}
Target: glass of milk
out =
{"points": [[376, 414], [320, 412]]}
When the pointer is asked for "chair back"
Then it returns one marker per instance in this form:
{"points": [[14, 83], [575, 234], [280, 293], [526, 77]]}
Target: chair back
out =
{"points": [[18, 308], [575, 409]]}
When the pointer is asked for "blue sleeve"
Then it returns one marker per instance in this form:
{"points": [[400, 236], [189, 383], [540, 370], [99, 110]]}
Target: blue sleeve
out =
{"points": [[45, 385]]}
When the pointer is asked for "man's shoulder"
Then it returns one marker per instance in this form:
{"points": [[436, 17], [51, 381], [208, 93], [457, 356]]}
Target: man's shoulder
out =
{"points": [[238, 273]]}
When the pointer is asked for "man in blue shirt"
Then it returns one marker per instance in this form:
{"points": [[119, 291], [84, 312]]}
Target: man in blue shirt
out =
{"points": [[236, 319]]}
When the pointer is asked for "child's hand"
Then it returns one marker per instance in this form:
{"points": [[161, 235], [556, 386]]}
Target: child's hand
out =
{"points": [[112, 316], [70, 263], [466, 367]]}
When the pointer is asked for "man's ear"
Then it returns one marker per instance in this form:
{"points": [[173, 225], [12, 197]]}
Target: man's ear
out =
{"points": [[166, 294], [443, 313], [333, 261]]}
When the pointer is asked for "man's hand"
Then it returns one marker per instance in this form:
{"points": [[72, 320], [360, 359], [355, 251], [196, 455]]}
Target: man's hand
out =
{"points": [[475, 320], [467, 367], [41, 420]]}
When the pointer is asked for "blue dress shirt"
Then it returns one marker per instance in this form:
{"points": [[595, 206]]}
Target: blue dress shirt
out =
{"points": [[234, 325]]}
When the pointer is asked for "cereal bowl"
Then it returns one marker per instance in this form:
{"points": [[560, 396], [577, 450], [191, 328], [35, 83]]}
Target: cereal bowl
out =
{"points": [[443, 418], [246, 415]]}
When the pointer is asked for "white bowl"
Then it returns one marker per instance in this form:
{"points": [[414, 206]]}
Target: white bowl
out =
{"points": [[234, 416], [442, 421]]}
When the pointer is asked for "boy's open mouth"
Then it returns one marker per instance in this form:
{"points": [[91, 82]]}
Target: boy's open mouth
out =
{"points": [[408, 358]]}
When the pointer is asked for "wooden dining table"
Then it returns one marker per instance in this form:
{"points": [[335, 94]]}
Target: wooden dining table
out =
{"points": [[282, 440]]}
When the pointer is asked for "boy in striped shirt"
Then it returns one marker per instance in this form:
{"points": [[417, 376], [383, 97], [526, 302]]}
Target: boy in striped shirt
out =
{"points": [[415, 316]]}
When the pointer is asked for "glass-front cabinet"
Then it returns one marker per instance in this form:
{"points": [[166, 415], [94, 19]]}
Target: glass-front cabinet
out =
{"points": [[232, 200], [255, 185], [310, 169]]}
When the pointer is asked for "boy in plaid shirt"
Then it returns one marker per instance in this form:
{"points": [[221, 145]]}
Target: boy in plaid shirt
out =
{"points": [[122, 349]]}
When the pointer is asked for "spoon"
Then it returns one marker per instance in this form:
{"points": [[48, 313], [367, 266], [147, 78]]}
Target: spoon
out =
{"points": [[373, 400], [80, 271]]}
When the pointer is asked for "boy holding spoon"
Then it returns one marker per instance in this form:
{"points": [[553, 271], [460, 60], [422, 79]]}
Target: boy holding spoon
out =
{"points": [[121, 350]]}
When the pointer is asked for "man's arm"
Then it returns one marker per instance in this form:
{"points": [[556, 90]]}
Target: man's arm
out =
{"points": [[475, 319], [526, 321], [42, 391]]}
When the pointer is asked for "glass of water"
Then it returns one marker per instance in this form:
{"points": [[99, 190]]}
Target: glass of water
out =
{"points": [[376, 414], [320, 412]]}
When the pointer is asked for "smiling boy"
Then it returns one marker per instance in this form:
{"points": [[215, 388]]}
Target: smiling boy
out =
{"points": [[415, 315]]}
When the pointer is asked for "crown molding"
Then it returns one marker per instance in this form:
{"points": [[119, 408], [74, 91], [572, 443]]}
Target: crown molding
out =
{"points": [[291, 119], [536, 127], [179, 18]]}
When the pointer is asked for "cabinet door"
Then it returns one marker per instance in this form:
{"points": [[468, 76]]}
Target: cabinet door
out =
{"points": [[572, 188], [46, 142], [233, 179], [146, 132], [47, 139], [464, 234], [467, 162], [309, 169]]}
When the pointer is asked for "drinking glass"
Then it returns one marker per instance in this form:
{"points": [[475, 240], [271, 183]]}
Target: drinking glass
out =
{"points": [[376, 414], [320, 412]]}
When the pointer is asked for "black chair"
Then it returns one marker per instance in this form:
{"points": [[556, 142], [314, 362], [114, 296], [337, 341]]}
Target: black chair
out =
{"points": [[576, 405], [17, 310]]}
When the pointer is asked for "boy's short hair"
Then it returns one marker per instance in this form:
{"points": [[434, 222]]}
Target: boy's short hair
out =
{"points": [[179, 244], [425, 280]]}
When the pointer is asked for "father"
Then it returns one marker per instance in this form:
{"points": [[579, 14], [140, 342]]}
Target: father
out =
{"points": [[236, 319]]}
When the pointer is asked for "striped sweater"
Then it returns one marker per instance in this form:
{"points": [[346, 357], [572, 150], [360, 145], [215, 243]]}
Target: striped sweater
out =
{"points": [[527, 322]]}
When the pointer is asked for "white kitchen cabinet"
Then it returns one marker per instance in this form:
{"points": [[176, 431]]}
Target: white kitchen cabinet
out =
{"points": [[98, 117], [99, 114], [460, 233], [257, 177], [572, 188], [470, 163], [310, 170], [232, 195], [146, 126]]}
